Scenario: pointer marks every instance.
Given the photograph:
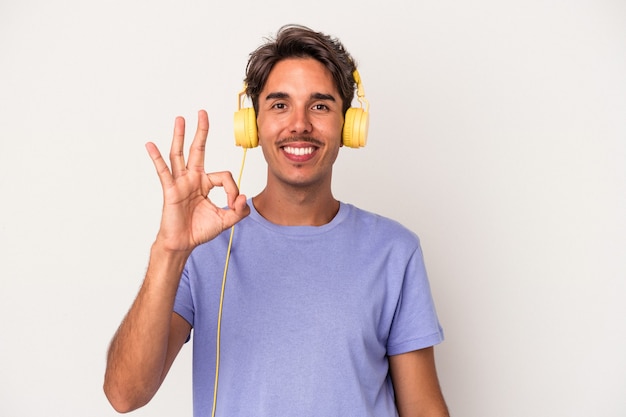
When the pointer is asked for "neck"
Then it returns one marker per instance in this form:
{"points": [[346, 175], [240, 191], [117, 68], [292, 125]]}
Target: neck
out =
{"points": [[296, 207]]}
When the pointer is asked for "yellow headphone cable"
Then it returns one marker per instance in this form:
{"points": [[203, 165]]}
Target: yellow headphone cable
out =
{"points": [[219, 313]]}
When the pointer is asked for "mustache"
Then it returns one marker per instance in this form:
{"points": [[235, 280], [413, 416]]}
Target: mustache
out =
{"points": [[293, 139]]}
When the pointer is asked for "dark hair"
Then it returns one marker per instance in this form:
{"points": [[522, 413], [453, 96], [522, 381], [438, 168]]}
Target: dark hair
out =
{"points": [[295, 41]]}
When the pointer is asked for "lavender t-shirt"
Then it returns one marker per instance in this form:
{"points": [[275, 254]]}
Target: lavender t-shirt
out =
{"points": [[310, 315]]}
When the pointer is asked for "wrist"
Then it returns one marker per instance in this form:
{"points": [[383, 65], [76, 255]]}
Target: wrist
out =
{"points": [[167, 257], [171, 245]]}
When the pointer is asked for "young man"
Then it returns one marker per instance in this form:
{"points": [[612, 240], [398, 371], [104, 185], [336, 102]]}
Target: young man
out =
{"points": [[327, 310]]}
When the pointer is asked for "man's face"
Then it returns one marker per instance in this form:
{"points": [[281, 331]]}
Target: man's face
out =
{"points": [[299, 122]]}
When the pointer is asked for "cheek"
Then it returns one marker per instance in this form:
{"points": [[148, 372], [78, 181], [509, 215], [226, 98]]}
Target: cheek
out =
{"points": [[265, 130], [333, 133]]}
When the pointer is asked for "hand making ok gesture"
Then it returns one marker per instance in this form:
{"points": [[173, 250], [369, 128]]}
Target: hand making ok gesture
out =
{"points": [[189, 217]]}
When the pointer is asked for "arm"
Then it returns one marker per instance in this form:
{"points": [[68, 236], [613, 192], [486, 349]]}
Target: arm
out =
{"points": [[151, 335], [416, 384], [148, 340]]}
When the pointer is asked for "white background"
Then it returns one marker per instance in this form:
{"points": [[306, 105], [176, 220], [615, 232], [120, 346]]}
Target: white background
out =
{"points": [[498, 134]]}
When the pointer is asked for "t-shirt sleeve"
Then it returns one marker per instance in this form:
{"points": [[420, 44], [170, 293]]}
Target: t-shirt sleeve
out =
{"points": [[183, 304], [415, 324]]}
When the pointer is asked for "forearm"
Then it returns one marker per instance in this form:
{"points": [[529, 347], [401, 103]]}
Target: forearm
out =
{"points": [[438, 409], [416, 385], [136, 361]]}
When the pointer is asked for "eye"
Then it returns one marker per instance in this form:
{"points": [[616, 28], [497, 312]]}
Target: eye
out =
{"points": [[279, 106], [320, 107]]}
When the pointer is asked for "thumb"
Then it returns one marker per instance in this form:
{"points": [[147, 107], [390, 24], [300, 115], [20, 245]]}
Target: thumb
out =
{"points": [[237, 212]]}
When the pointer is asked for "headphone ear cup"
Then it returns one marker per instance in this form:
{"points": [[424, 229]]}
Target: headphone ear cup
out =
{"points": [[355, 127], [246, 134]]}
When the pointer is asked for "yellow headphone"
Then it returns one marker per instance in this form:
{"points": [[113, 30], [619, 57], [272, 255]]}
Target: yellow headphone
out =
{"points": [[355, 125]]}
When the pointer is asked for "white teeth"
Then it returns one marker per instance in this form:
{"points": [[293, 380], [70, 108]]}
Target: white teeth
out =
{"points": [[298, 151]]}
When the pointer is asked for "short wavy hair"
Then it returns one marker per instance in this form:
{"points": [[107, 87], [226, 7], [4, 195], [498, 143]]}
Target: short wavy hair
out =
{"points": [[296, 41]]}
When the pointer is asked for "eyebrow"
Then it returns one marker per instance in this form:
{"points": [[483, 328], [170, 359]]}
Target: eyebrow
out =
{"points": [[320, 96], [315, 96]]}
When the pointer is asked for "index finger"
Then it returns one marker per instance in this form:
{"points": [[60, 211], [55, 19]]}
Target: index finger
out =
{"points": [[225, 180]]}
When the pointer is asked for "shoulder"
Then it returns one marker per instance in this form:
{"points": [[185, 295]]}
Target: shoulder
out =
{"points": [[376, 226]]}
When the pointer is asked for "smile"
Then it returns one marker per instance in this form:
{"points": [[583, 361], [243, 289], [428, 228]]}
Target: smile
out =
{"points": [[298, 151]]}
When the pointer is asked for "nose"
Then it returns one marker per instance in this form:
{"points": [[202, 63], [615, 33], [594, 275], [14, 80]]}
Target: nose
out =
{"points": [[300, 121]]}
